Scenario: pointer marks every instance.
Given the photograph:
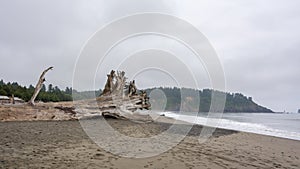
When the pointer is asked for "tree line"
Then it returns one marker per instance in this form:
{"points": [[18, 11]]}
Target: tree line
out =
{"points": [[50, 93], [235, 102]]}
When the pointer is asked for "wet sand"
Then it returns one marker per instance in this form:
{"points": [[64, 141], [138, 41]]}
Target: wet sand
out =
{"points": [[63, 144]]}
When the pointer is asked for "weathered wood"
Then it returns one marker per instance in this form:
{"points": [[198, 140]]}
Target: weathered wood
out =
{"points": [[120, 84], [109, 84], [13, 99], [132, 89], [120, 100], [70, 110], [115, 101], [39, 86]]}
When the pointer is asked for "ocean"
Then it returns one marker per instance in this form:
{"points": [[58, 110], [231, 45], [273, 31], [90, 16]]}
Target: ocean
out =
{"points": [[271, 124]]}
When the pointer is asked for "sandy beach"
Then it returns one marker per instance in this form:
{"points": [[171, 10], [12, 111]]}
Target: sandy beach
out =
{"points": [[132, 84], [64, 144]]}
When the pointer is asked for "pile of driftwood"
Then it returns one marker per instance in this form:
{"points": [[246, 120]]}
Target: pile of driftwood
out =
{"points": [[119, 98]]}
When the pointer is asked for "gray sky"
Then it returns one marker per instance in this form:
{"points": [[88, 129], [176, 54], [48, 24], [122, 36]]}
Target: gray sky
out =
{"points": [[257, 41]]}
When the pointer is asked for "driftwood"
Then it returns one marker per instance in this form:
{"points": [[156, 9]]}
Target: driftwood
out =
{"points": [[132, 88], [109, 84], [39, 86], [70, 110], [120, 84], [121, 100], [118, 100]]}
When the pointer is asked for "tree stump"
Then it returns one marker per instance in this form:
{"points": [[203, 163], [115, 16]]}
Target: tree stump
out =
{"points": [[121, 100]]}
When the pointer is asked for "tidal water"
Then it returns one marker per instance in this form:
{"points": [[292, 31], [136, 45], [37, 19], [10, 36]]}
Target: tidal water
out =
{"points": [[272, 124]]}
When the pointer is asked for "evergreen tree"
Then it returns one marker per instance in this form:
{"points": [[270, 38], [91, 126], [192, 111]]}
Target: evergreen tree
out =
{"points": [[43, 89], [1, 82], [50, 88]]}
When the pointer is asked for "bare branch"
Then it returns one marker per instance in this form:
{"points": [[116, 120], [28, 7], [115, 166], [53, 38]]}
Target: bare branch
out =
{"points": [[39, 86]]}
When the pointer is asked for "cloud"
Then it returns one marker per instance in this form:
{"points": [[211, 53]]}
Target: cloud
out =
{"points": [[257, 41]]}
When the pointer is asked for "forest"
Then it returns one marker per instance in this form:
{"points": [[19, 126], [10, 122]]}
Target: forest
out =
{"points": [[47, 94], [235, 102]]}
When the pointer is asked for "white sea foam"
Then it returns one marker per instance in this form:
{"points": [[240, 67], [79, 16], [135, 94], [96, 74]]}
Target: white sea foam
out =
{"points": [[235, 125]]}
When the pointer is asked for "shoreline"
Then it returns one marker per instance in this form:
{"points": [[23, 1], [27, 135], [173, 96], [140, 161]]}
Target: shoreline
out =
{"points": [[240, 126], [54, 112], [49, 112], [92, 117]]}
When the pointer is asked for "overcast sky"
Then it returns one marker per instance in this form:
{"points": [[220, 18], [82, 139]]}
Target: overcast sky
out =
{"points": [[257, 41]]}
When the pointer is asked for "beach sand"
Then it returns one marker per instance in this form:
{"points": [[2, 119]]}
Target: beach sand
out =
{"points": [[64, 144]]}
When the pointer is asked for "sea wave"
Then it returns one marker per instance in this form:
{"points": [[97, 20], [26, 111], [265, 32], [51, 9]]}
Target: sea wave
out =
{"points": [[235, 125]]}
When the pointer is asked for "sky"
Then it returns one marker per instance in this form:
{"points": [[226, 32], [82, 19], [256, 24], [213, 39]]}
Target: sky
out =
{"points": [[257, 41]]}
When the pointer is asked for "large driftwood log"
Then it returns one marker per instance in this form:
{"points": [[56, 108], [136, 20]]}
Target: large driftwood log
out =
{"points": [[116, 101], [39, 86], [120, 100]]}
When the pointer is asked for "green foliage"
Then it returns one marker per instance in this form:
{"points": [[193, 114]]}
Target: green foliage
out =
{"points": [[235, 102], [53, 94]]}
